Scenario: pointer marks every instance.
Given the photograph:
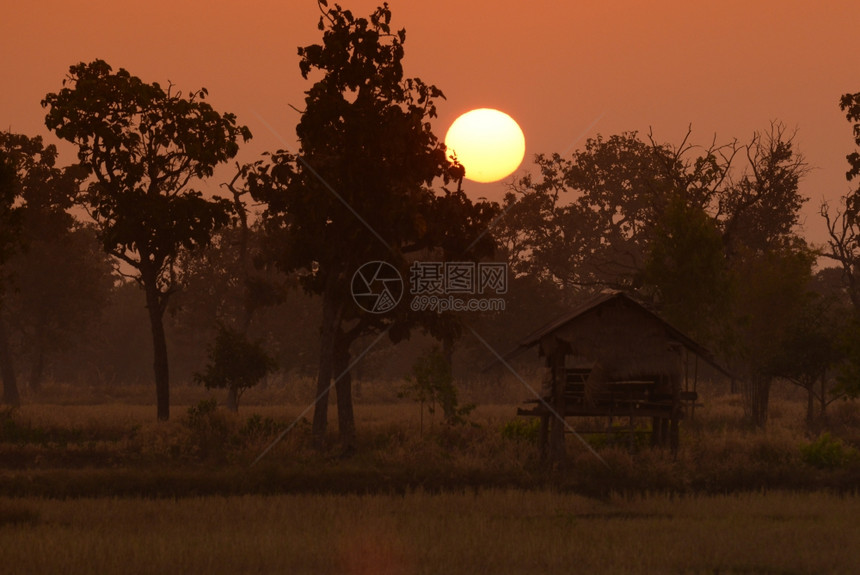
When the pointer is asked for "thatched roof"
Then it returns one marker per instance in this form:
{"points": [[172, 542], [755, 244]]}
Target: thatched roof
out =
{"points": [[619, 333]]}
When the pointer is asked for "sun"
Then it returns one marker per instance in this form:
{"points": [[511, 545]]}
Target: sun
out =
{"points": [[488, 143]]}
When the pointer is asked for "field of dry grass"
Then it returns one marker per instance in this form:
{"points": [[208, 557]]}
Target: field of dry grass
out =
{"points": [[90, 482], [489, 532]]}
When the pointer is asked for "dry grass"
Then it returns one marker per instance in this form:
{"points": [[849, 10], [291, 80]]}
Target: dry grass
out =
{"points": [[491, 532], [719, 452], [106, 489]]}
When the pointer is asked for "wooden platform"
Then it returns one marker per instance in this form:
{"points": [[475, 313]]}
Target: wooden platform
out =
{"points": [[628, 398]]}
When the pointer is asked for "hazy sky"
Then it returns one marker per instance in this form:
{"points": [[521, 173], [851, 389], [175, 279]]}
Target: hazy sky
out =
{"points": [[564, 70]]}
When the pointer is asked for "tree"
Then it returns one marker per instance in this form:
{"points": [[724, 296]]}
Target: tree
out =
{"points": [[359, 191], [143, 146], [688, 272], [10, 228], [843, 247], [773, 290], [682, 225], [50, 315], [432, 383], [844, 226], [588, 222], [811, 350], [235, 363]]}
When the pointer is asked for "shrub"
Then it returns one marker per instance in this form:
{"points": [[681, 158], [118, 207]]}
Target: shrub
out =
{"points": [[258, 427], [828, 452], [523, 430], [210, 433], [235, 363], [432, 384]]}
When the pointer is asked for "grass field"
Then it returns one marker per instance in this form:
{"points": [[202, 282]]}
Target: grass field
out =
{"points": [[90, 483], [489, 532]]}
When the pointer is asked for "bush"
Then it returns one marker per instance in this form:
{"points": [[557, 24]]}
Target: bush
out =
{"points": [[828, 452], [257, 427], [210, 432], [523, 430]]}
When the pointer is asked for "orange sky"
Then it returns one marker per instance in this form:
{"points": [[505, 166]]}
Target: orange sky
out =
{"points": [[728, 68]]}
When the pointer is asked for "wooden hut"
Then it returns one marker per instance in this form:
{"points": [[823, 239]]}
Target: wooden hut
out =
{"points": [[613, 357]]}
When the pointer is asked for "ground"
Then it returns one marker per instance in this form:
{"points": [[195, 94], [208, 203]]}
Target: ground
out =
{"points": [[90, 482]]}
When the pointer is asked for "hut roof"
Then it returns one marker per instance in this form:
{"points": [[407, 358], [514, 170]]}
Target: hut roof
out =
{"points": [[617, 328]]}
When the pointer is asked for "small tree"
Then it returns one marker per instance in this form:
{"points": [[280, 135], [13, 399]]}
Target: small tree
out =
{"points": [[432, 383], [235, 364], [143, 147]]}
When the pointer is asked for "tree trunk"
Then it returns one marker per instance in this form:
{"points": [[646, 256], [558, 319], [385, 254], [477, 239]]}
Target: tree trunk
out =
{"points": [[810, 402], [756, 394], [324, 375], [343, 389], [37, 371], [557, 450], [674, 423], [823, 397], [155, 306], [7, 370], [543, 436], [233, 399], [656, 432]]}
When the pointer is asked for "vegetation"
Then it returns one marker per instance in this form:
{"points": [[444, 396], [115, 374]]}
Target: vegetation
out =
{"points": [[432, 383], [143, 148], [360, 189], [478, 492], [90, 446], [498, 531], [766, 474], [236, 364]]}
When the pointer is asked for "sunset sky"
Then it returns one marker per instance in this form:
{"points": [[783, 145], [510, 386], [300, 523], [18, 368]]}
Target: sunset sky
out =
{"points": [[565, 71]]}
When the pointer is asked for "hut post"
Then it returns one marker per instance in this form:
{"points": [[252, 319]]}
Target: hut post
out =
{"points": [[674, 431], [656, 432], [556, 439], [543, 436], [675, 379]]}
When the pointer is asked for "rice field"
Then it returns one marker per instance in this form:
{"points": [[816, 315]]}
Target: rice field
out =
{"points": [[497, 532], [98, 486]]}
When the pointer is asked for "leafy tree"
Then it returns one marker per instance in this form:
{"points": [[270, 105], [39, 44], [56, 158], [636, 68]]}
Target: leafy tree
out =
{"points": [[142, 147], [844, 225], [590, 221], [10, 228], [51, 314], [683, 225], [843, 247], [359, 190], [235, 363], [811, 350], [773, 289], [432, 383], [687, 271]]}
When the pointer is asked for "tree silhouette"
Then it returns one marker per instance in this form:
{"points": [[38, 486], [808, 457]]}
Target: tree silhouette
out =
{"points": [[143, 147], [684, 226], [50, 314], [844, 225], [235, 363], [359, 190], [10, 229]]}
